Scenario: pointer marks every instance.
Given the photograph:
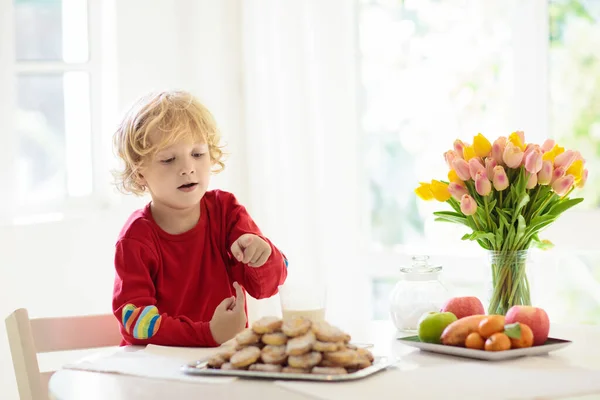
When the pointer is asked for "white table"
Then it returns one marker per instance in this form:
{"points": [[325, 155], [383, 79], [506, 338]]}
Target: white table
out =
{"points": [[71, 384]]}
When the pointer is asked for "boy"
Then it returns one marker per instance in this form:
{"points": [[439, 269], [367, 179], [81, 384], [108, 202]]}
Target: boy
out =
{"points": [[184, 260]]}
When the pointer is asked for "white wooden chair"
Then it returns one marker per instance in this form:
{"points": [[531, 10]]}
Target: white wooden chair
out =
{"points": [[29, 337]]}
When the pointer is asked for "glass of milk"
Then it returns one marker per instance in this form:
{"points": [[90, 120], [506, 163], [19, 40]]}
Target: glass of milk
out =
{"points": [[306, 299]]}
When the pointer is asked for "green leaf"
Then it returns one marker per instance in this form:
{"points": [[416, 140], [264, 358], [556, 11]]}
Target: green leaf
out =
{"points": [[563, 205], [450, 216], [513, 330], [521, 225]]}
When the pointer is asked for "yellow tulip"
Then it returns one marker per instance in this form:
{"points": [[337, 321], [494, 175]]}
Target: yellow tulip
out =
{"points": [[424, 191], [481, 145], [440, 190], [576, 169], [516, 139], [453, 177], [551, 155], [468, 153]]}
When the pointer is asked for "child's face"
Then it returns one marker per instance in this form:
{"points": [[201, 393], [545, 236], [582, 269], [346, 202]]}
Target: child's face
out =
{"points": [[178, 176]]}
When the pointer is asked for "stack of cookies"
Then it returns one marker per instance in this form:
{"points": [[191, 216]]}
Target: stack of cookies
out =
{"points": [[295, 345]]}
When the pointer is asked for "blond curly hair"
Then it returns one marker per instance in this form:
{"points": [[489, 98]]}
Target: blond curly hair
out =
{"points": [[177, 116]]}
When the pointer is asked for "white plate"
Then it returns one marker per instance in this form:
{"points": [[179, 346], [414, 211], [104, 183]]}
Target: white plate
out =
{"points": [[551, 344]]}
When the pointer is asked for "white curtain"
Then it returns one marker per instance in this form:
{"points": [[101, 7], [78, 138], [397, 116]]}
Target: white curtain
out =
{"points": [[303, 148]]}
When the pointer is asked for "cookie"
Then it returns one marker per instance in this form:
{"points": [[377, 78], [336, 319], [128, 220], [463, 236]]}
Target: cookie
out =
{"points": [[216, 361], [329, 370], [342, 358], [305, 361], [275, 338], [267, 325], [325, 347], [265, 367], [300, 344], [273, 354], [229, 367], [296, 326], [246, 356], [247, 337], [226, 352], [326, 332], [365, 353]]}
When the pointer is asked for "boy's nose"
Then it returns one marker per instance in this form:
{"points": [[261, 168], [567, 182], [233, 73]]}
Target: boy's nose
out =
{"points": [[188, 168]]}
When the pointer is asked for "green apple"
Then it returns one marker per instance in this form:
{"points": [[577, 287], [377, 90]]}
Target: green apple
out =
{"points": [[432, 324]]}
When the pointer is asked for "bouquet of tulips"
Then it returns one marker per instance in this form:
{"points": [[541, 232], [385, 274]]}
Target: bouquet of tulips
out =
{"points": [[506, 192]]}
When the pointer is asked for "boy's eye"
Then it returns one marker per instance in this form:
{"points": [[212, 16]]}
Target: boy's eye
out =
{"points": [[198, 155], [168, 160]]}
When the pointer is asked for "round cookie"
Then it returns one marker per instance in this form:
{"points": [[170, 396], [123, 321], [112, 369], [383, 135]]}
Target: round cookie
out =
{"points": [[326, 332], [265, 368], [247, 337], [300, 344], [305, 361], [216, 361], [275, 338], [296, 326], [267, 325], [342, 358], [325, 347], [226, 352], [244, 357], [273, 354]]}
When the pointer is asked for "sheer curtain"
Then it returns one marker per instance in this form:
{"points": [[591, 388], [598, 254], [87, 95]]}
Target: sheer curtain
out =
{"points": [[302, 142]]}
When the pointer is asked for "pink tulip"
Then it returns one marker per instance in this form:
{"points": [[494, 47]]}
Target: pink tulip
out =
{"points": [[498, 149], [548, 145], [562, 185], [490, 163], [557, 174], [483, 186], [459, 146], [475, 166], [462, 169], [545, 175], [565, 159], [468, 205], [457, 190], [450, 155], [531, 181], [500, 179], [583, 180], [512, 156], [533, 161]]}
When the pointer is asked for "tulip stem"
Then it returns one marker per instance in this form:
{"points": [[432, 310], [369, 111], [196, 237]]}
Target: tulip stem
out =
{"points": [[500, 199]]}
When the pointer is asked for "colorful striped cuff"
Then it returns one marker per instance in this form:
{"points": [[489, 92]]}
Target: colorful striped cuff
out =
{"points": [[141, 322]]}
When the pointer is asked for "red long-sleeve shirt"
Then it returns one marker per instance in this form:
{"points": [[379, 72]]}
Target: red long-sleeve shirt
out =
{"points": [[168, 286]]}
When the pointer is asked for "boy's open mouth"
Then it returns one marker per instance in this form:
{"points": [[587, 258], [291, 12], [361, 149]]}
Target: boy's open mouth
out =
{"points": [[187, 185]]}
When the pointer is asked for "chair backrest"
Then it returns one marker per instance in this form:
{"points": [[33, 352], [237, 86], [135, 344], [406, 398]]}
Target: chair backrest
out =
{"points": [[29, 337]]}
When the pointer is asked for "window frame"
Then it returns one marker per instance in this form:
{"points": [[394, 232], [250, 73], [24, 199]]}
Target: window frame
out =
{"points": [[531, 111], [10, 68]]}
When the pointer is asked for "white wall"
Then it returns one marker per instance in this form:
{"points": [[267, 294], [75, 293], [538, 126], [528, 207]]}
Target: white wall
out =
{"points": [[62, 268]]}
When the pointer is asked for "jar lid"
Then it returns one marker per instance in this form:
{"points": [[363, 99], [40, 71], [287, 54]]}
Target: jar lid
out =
{"points": [[420, 265]]}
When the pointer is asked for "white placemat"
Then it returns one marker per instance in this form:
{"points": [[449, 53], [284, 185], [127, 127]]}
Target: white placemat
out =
{"points": [[464, 380], [159, 362]]}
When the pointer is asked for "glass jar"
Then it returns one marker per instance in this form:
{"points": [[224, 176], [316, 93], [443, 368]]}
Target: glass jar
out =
{"points": [[418, 291]]}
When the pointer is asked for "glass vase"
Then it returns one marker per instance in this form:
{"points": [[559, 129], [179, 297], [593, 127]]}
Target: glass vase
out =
{"points": [[510, 285]]}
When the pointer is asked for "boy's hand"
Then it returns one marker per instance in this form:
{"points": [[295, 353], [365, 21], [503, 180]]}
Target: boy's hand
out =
{"points": [[251, 249], [229, 317]]}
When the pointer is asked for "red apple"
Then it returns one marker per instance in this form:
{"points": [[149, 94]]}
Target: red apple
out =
{"points": [[463, 306], [534, 317]]}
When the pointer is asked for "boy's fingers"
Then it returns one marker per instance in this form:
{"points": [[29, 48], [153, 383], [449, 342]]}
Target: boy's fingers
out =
{"points": [[237, 251], [249, 253], [240, 299], [225, 304]]}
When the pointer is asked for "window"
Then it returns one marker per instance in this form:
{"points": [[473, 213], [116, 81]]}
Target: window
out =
{"points": [[55, 71], [433, 71]]}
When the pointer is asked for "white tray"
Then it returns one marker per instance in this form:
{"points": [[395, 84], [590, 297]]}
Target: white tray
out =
{"points": [[551, 344], [201, 368]]}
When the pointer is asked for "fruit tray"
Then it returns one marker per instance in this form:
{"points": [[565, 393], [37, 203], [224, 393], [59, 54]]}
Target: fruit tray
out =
{"points": [[201, 368], [552, 344]]}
